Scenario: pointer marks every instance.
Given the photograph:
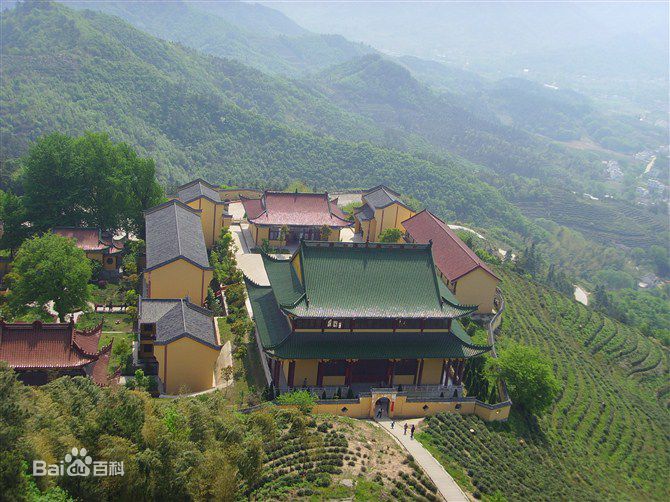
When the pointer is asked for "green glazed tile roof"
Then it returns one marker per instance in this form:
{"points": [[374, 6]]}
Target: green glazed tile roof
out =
{"points": [[284, 279], [277, 339], [369, 345], [375, 280], [272, 324]]}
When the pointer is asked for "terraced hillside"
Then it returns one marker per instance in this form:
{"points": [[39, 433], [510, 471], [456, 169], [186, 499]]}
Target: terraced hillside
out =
{"points": [[339, 458], [606, 436], [610, 222]]}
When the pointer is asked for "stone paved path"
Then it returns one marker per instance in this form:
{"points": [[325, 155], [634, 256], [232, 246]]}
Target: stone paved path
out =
{"points": [[446, 485], [251, 264]]}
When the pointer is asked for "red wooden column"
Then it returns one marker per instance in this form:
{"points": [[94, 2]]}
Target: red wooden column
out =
{"points": [[390, 372], [459, 371], [319, 374], [418, 379], [276, 370], [347, 374], [291, 373]]}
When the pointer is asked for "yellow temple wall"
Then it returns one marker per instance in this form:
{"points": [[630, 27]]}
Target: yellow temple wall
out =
{"points": [[179, 279], [477, 288], [186, 365]]}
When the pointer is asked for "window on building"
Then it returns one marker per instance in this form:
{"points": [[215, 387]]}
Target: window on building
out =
{"points": [[110, 261], [406, 367], [148, 329], [337, 323], [334, 368], [274, 233]]}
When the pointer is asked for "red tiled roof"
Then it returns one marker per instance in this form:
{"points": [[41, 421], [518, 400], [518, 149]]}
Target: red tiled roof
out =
{"points": [[452, 256], [88, 341], [294, 209], [40, 346], [88, 239], [98, 370]]}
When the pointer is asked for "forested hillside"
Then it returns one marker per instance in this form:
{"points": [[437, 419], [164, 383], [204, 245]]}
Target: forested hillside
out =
{"points": [[387, 93], [264, 38], [252, 33], [506, 125], [606, 436], [202, 116]]}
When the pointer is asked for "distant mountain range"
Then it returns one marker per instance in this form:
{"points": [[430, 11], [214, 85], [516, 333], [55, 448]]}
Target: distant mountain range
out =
{"points": [[349, 118], [201, 116]]}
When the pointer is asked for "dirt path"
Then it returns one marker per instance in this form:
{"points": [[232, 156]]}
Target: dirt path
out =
{"points": [[446, 485]]}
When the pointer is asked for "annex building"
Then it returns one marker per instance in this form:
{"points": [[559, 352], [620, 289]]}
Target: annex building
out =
{"points": [[177, 264], [41, 352], [181, 341], [177, 339], [382, 209], [361, 316], [206, 198], [465, 274], [97, 245], [303, 214]]}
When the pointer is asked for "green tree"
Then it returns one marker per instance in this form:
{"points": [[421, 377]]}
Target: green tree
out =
{"points": [[390, 235], [325, 232], [303, 399], [14, 216], [88, 180], [12, 426], [52, 183], [528, 374], [298, 186], [661, 259], [283, 234], [50, 268]]}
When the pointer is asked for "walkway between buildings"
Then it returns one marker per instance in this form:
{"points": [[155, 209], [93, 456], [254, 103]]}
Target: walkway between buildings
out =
{"points": [[251, 264], [438, 475]]}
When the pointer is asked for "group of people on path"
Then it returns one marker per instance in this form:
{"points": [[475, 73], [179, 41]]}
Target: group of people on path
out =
{"points": [[411, 429]]}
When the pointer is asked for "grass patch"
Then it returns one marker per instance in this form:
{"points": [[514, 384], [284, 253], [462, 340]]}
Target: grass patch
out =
{"points": [[367, 490], [111, 322]]}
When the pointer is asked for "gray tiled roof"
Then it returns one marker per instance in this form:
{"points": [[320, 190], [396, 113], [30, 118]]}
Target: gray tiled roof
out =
{"points": [[173, 230], [380, 197], [365, 213], [177, 318], [198, 188]]}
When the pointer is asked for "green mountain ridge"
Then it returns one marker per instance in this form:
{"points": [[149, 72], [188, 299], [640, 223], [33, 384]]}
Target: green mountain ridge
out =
{"points": [[201, 116], [251, 33]]}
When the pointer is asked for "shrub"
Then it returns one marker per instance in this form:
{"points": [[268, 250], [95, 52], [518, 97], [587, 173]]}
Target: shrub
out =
{"points": [[529, 376], [302, 398]]}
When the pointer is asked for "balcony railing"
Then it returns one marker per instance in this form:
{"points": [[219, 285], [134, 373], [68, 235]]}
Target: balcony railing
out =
{"points": [[317, 392], [411, 391]]}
